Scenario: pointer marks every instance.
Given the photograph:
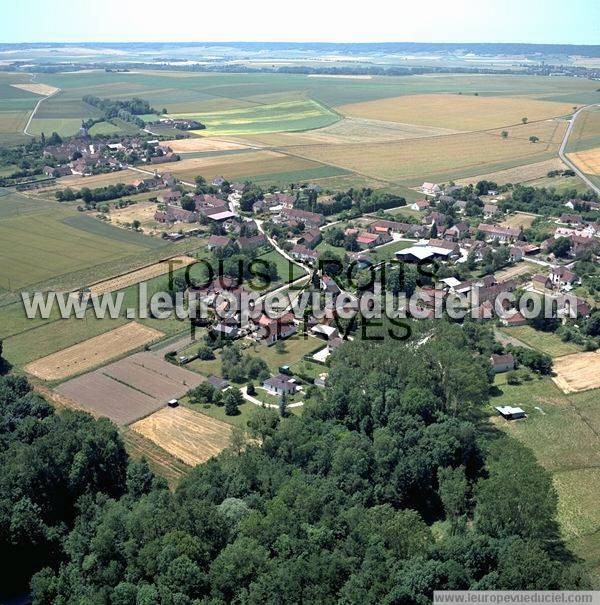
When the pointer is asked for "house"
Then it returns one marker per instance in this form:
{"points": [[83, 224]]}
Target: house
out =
{"points": [[304, 254], [217, 241], [280, 385], [389, 227], [573, 220], [311, 238], [169, 197], [217, 383], [420, 205], [218, 181], [252, 242], [490, 210], [515, 319], [561, 276], [172, 214], [325, 332], [501, 234], [329, 285], [581, 244], [510, 413], [58, 171], [502, 363], [431, 189], [421, 252], [309, 219], [541, 282], [274, 329], [516, 254], [370, 240], [457, 231], [226, 330]]}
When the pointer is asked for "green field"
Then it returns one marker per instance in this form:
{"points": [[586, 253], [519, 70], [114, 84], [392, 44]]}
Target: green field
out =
{"points": [[276, 117], [545, 342], [563, 434], [49, 243], [586, 131]]}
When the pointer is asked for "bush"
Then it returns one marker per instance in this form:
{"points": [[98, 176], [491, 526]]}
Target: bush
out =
{"points": [[250, 389], [205, 353]]}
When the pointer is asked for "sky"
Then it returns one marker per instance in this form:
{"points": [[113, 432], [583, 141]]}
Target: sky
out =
{"points": [[530, 21]]}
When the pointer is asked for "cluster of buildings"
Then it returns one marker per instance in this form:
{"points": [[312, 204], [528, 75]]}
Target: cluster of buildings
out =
{"points": [[80, 156]]}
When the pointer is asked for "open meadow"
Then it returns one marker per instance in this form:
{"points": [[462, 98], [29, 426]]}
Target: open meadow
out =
{"points": [[562, 431]]}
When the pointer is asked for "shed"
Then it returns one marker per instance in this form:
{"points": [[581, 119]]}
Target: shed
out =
{"points": [[510, 413]]}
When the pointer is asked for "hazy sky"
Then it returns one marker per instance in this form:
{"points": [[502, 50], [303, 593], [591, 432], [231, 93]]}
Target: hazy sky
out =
{"points": [[534, 21]]}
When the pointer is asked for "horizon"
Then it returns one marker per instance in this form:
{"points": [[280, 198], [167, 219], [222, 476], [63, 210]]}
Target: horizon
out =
{"points": [[461, 22]]}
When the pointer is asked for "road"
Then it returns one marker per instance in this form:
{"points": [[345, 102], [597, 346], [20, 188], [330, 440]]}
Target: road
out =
{"points": [[563, 145], [37, 105]]}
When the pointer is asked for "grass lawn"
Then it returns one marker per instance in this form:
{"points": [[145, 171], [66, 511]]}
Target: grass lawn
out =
{"points": [[218, 412], [388, 251], [287, 271], [270, 399], [295, 348], [546, 342]]}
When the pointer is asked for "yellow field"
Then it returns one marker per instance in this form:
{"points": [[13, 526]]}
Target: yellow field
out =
{"points": [[519, 219], [135, 277], [189, 436], [578, 372], [587, 161], [436, 158], [142, 211], [93, 352], [349, 130], [94, 181], [38, 89], [239, 165], [518, 174], [459, 112], [201, 144]]}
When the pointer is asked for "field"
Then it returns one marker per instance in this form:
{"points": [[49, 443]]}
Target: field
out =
{"points": [[243, 166], [578, 372], [519, 219], [587, 161], [562, 431], [586, 131], [189, 436], [520, 174], [521, 268], [194, 144], [131, 388], [439, 158], [276, 117], [49, 243], [545, 342], [76, 182], [458, 112], [93, 352], [38, 89], [143, 274]]}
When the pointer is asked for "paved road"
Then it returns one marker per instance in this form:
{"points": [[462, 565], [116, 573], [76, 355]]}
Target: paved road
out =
{"points": [[565, 159]]}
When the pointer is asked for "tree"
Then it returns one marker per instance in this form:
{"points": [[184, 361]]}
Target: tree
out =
{"points": [[205, 353], [560, 247], [534, 139], [135, 224], [453, 491], [283, 405], [203, 393], [232, 400], [524, 120], [504, 134], [280, 347], [250, 389]]}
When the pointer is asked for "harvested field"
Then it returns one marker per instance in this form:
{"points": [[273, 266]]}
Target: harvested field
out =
{"points": [[38, 89], [201, 144], [185, 434], [434, 158], [94, 181], [142, 211], [93, 352], [140, 275], [578, 372], [350, 130], [131, 388], [518, 174], [459, 112], [242, 165], [587, 161]]}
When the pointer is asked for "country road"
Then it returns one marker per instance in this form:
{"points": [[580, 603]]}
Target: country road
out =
{"points": [[37, 106], [563, 145]]}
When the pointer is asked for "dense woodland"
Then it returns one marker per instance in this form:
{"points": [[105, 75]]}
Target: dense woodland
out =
{"points": [[387, 487]]}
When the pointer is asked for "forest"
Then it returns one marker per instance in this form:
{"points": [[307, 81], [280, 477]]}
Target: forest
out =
{"points": [[391, 484]]}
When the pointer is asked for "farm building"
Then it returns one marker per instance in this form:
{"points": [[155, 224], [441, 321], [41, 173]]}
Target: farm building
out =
{"points": [[502, 363], [510, 413]]}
